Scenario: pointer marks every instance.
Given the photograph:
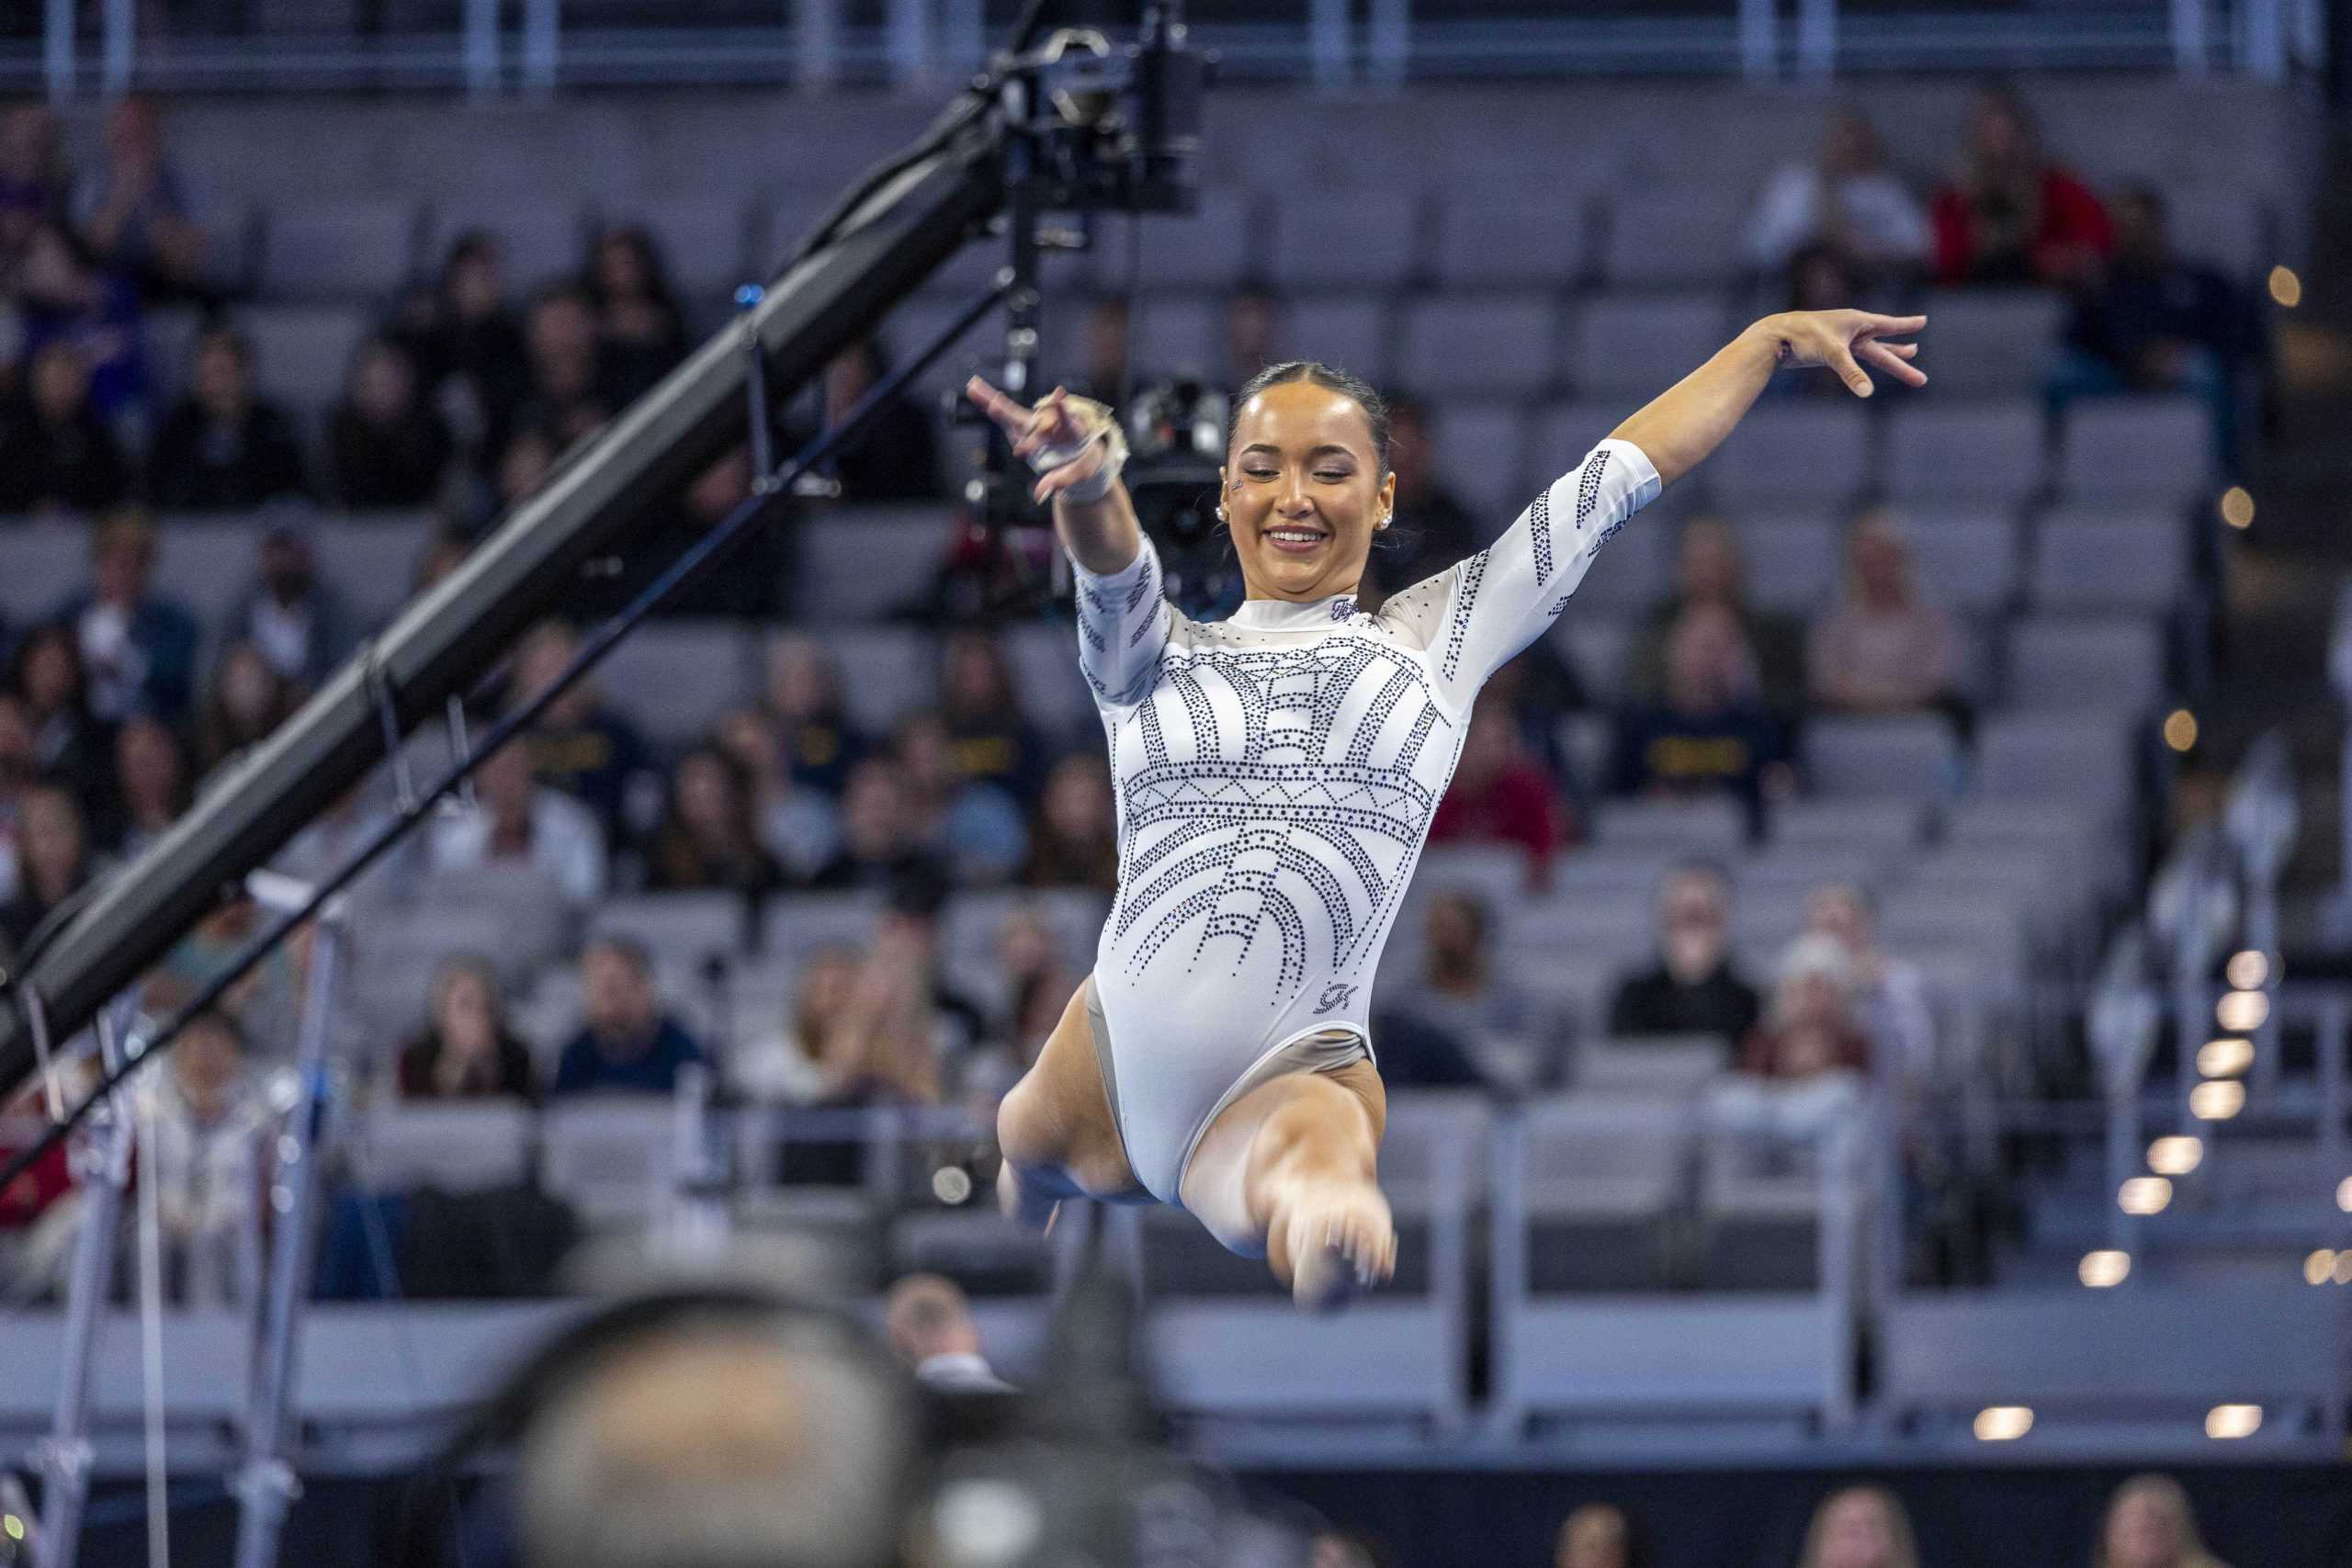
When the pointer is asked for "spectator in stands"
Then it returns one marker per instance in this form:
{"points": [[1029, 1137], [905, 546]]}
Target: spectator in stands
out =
{"points": [[1252, 331], [69, 743], [797, 1064], [138, 650], [897, 458], [1888, 995], [1708, 571], [1431, 528], [135, 212], [468, 1050], [209, 1113], [224, 447], [515, 820], [570, 390], [151, 784], [974, 827], [990, 738], [19, 771], [1332, 1547], [53, 850], [1694, 988], [1861, 1527], [301, 623], [1884, 646], [1106, 344], [1600, 1535], [1501, 794], [387, 446], [644, 331], [1848, 205], [63, 298], [2149, 320], [932, 1330], [2150, 1525], [467, 345], [1486, 1016], [803, 693], [2011, 215], [1076, 843], [61, 456], [1709, 735], [247, 700], [1038, 988], [796, 825], [33, 180], [1809, 1030], [625, 1043], [707, 838], [581, 745], [881, 833]]}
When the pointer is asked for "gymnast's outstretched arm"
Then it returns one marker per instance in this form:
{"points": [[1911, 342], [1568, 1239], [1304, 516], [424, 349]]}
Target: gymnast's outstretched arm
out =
{"points": [[1679, 427]]}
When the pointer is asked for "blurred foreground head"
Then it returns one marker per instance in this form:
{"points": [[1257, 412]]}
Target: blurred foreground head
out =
{"points": [[733, 1443]]}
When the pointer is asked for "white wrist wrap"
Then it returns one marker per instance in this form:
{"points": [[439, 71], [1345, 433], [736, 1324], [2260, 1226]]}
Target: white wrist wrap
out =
{"points": [[1100, 428]]}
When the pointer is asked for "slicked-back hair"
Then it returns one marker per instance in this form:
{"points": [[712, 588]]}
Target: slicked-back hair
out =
{"points": [[1375, 407]]}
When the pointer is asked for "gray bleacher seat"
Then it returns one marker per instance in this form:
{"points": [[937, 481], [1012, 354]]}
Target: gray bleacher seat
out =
{"points": [[456, 1147], [972, 922], [860, 563], [1601, 1177], [1996, 924], [206, 562], [1793, 562], [1760, 1179], [704, 239], [1965, 561], [674, 679], [884, 671], [1988, 453], [1350, 331], [1989, 342], [302, 352], [1594, 642], [980, 1249], [41, 564], [1480, 345], [610, 1158], [1790, 869], [1789, 451], [1484, 243], [2111, 663], [1880, 826], [1363, 239], [2156, 448], [1907, 756], [2126, 565], [371, 560], [1181, 334], [1694, 827], [542, 239], [1664, 1066], [1566, 432], [1632, 347], [524, 904], [1043, 655], [793, 925], [1210, 248], [683, 925], [2227, 227], [1665, 237], [355, 248], [1495, 873], [1480, 450], [2065, 756]]}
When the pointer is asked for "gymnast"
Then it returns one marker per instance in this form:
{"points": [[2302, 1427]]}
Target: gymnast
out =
{"points": [[1276, 771]]}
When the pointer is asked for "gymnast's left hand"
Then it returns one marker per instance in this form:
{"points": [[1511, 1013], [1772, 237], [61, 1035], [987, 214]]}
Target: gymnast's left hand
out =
{"points": [[1846, 341]]}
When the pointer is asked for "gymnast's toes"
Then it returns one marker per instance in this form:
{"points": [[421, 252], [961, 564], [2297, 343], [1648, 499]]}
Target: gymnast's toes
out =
{"points": [[1341, 1243]]}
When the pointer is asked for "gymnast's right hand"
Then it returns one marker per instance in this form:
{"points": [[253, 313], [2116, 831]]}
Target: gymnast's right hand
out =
{"points": [[1055, 430]]}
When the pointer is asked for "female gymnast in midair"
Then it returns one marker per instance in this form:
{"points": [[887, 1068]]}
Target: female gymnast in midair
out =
{"points": [[1276, 773]]}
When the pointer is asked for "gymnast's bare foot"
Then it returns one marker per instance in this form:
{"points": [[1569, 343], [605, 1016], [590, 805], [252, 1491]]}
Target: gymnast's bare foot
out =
{"points": [[1341, 1241]]}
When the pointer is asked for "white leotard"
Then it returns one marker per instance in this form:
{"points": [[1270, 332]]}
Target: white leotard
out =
{"points": [[1275, 775]]}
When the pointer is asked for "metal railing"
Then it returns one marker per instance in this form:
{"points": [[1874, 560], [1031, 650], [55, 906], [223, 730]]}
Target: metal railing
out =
{"points": [[485, 48]]}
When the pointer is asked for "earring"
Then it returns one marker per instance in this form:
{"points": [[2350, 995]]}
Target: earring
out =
{"points": [[1220, 512]]}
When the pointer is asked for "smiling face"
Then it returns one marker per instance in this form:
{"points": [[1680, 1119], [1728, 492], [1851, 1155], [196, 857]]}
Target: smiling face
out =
{"points": [[1303, 490]]}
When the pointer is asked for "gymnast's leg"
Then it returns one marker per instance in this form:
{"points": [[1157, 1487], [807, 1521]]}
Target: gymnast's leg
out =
{"points": [[1056, 1129], [1290, 1170]]}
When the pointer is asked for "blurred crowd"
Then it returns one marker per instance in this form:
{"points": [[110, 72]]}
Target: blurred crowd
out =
{"points": [[119, 705]]}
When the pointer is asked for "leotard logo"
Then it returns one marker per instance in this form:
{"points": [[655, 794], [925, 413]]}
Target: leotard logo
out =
{"points": [[1334, 994]]}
